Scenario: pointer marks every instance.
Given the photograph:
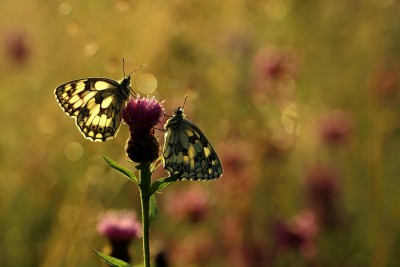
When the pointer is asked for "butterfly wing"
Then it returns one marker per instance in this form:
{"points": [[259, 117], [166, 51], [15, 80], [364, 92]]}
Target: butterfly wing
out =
{"points": [[96, 103], [187, 150]]}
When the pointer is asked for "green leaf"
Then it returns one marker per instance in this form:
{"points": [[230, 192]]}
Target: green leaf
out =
{"points": [[122, 170], [111, 260], [156, 164], [163, 182], [153, 207]]}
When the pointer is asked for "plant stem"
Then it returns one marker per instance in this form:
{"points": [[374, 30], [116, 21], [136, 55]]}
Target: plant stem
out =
{"points": [[145, 182]]}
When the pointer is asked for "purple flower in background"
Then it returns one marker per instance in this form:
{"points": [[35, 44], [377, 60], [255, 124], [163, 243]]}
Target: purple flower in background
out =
{"points": [[298, 235], [191, 205], [274, 63], [336, 127], [274, 71], [322, 194], [385, 82], [120, 227], [16, 46]]}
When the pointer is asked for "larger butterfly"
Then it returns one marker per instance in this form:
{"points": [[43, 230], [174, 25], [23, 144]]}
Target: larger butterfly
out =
{"points": [[187, 150], [96, 104]]}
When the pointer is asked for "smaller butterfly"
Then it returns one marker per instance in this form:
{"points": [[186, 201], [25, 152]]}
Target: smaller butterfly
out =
{"points": [[187, 150], [96, 104]]}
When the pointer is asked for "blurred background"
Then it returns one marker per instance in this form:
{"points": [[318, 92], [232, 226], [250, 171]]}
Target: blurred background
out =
{"points": [[300, 99]]}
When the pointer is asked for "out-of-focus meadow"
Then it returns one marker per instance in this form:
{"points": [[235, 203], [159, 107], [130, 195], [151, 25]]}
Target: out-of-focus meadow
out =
{"points": [[301, 100]]}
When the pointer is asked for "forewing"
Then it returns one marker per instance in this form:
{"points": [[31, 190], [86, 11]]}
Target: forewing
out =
{"points": [[187, 150], [74, 95]]}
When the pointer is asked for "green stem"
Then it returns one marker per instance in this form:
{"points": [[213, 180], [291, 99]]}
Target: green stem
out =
{"points": [[145, 182]]}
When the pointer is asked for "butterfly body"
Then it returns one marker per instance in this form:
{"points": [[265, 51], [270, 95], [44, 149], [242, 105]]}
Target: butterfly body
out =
{"points": [[187, 150], [96, 104]]}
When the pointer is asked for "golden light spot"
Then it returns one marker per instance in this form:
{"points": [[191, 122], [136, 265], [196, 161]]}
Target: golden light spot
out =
{"points": [[65, 8], [122, 5], [91, 49], [276, 10], [72, 28], [73, 151], [146, 83], [292, 121], [45, 125]]}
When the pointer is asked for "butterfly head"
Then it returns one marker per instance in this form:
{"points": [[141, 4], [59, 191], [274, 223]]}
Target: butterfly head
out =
{"points": [[179, 112], [126, 81]]}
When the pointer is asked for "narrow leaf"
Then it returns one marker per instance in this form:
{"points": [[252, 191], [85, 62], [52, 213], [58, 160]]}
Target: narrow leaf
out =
{"points": [[163, 182], [122, 170], [114, 262], [156, 164]]}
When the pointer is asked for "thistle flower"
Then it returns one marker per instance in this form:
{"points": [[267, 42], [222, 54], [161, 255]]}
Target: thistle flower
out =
{"points": [[322, 186], [120, 227], [336, 128], [16, 46], [298, 235], [192, 205], [273, 63], [142, 114]]}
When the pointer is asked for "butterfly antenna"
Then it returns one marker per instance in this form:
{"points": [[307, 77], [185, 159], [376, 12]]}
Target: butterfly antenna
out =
{"points": [[184, 102], [141, 66], [123, 66]]}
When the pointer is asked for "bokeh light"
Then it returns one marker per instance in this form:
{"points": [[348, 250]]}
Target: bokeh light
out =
{"points": [[146, 83]]}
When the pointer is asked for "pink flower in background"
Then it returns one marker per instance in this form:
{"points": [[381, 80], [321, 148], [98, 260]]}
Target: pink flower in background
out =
{"points": [[385, 81], [336, 127], [299, 235], [191, 204], [274, 63], [274, 71], [16, 46], [322, 194], [119, 225], [196, 249]]}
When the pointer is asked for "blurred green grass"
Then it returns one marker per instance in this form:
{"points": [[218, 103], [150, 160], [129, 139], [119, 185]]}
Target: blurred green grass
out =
{"points": [[336, 56]]}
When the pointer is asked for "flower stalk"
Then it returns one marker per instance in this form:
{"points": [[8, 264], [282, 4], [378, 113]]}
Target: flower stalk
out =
{"points": [[145, 195]]}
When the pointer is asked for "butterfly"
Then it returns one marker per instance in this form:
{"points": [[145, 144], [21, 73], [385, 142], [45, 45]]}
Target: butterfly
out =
{"points": [[96, 104], [187, 150]]}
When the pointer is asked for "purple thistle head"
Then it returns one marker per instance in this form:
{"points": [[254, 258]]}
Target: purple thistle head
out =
{"points": [[119, 225], [141, 115]]}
